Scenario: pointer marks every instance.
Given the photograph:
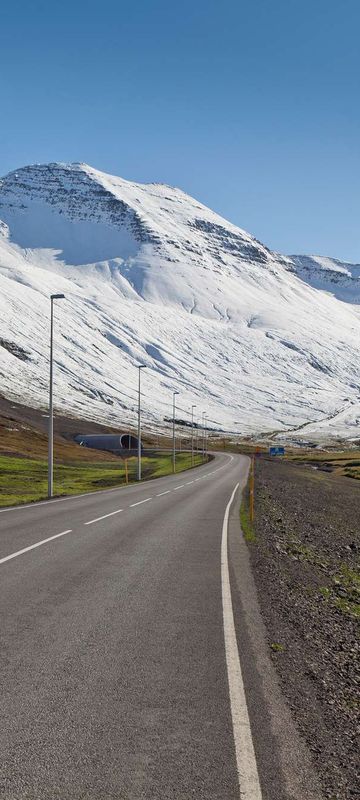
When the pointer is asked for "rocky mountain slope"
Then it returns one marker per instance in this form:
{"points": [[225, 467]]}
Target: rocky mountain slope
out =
{"points": [[152, 276], [331, 275]]}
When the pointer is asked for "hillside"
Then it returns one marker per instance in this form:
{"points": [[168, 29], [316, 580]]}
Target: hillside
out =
{"points": [[331, 275], [152, 276]]}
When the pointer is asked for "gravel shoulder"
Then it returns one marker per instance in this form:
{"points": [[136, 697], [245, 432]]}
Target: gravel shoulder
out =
{"points": [[305, 559]]}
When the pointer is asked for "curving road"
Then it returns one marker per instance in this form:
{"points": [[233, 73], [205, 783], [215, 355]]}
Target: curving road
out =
{"points": [[133, 655]]}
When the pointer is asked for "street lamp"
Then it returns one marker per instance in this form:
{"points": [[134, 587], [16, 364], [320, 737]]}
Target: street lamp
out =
{"points": [[192, 435], [51, 410], [205, 431], [140, 367], [203, 434], [174, 453]]}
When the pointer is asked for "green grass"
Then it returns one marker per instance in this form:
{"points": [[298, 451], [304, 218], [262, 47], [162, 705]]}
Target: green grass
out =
{"points": [[344, 594], [24, 480], [352, 473], [276, 647], [338, 462], [246, 525], [302, 552]]}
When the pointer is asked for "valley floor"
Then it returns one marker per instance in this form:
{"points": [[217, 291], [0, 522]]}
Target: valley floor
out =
{"points": [[24, 452], [24, 480], [304, 554]]}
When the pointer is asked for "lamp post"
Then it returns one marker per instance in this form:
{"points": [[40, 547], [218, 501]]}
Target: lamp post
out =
{"points": [[140, 367], [51, 408], [174, 451], [203, 433], [192, 435]]}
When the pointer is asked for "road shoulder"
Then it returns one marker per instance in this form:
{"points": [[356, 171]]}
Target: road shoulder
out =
{"points": [[284, 763], [304, 559]]}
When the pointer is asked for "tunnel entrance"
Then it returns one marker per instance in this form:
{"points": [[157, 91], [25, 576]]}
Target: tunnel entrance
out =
{"points": [[128, 442], [112, 442]]}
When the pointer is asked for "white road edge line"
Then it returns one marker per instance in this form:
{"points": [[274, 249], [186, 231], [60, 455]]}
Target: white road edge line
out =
{"points": [[32, 546], [104, 517], [162, 493], [249, 784], [140, 502]]}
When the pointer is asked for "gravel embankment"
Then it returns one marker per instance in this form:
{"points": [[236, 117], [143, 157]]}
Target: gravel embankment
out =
{"points": [[306, 566]]}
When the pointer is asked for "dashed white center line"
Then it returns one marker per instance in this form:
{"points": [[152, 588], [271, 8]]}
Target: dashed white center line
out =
{"points": [[98, 519], [91, 521], [32, 546]]}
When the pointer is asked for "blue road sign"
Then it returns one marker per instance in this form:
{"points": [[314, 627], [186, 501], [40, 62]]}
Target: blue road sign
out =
{"points": [[276, 451]]}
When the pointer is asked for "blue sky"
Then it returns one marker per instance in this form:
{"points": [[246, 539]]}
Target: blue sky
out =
{"points": [[251, 106]]}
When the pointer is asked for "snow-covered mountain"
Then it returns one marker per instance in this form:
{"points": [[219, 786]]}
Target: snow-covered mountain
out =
{"points": [[337, 277], [152, 276]]}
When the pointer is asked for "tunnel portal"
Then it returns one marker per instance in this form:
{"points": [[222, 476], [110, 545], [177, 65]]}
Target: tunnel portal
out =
{"points": [[128, 442]]}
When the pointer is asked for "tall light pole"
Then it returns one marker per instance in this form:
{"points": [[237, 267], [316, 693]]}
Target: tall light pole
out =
{"points": [[203, 433], [51, 408], [174, 451], [192, 435], [140, 367]]}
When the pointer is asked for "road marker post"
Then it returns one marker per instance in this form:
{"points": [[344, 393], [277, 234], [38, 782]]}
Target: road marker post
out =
{"points": [[126, 471]]}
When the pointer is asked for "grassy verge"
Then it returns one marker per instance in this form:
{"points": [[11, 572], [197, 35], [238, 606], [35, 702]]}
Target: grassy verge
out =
{"points": [[339, 463], [24, 480], [245, 522]]}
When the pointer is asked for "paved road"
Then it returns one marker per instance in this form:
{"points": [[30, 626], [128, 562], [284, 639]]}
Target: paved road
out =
{"points": [[120, 639]]}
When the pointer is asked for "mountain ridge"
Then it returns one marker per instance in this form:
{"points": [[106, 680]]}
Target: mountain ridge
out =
{"points": [[160, 278], [341, 278]]}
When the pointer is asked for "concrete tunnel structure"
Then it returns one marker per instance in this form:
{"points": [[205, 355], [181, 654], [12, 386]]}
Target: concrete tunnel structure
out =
{"points": [[120, 444]]}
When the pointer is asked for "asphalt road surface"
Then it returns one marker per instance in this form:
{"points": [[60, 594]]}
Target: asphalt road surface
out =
{"points": [[134, 662]]}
